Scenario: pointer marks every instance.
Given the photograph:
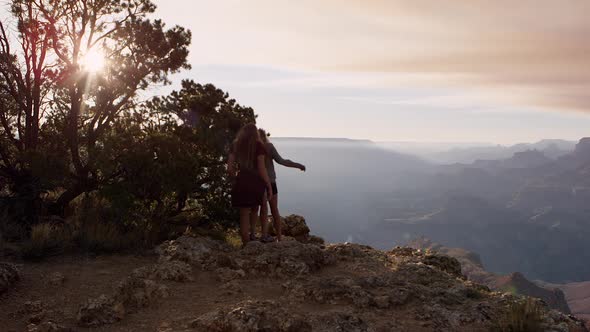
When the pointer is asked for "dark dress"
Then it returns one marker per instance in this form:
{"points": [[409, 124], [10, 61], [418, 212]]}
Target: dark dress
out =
{"points": [[249, 187]]}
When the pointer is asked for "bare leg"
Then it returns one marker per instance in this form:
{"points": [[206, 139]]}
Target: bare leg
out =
{"points": [[245, 225], [253, 220], [264, 216], [276, 216]]}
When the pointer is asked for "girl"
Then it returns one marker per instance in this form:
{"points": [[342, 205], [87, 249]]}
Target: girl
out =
{"points": [[247, 159], [272, 155]]}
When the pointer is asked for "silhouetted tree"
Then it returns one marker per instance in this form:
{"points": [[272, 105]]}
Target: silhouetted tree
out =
{"points": [[47, 77], [26, 77]]}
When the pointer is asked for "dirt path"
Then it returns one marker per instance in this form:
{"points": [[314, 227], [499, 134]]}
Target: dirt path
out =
{"points": [[91, 277], [84, 278]]}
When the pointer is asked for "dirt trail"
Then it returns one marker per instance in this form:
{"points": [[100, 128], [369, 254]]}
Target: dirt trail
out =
{"points": [[84, 278]]}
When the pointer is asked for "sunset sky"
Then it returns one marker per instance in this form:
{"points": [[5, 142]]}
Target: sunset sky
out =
{"points": [[390, 70]]}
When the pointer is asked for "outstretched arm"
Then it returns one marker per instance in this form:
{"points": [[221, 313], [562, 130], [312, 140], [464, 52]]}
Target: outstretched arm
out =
{"points": [[285, 162]]}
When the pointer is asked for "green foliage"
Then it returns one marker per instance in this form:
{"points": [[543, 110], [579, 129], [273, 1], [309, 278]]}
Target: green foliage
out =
{"points": [[169, 157], [522, 316]]}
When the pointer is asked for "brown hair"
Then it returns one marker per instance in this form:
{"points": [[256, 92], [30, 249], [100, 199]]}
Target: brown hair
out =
{"points": [[244, 147]]}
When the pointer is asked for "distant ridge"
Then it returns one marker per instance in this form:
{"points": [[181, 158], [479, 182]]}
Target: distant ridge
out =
{"points": [[323, 139]]}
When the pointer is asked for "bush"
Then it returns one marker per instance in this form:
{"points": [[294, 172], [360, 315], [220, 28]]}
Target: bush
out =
{"points": [[522, 316], [101, 228]]}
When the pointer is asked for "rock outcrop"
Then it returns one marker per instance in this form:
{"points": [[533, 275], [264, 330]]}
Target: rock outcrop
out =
{"points": [[295, 226], [403, 289], [335, 287], [516, 283]]}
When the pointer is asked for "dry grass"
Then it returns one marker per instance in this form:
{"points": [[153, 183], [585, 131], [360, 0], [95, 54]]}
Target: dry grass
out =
{"points": [[233, 238], [47, 240], [522, 316]]}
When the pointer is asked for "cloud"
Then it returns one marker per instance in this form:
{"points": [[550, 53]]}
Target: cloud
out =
{"points": [[527, 52]]}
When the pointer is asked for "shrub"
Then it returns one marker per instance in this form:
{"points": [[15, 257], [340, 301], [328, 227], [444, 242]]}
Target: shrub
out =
{"points": [[522, 316], [101, 227]]}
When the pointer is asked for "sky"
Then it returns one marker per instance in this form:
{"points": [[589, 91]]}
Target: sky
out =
{"points": [[397, 70]]}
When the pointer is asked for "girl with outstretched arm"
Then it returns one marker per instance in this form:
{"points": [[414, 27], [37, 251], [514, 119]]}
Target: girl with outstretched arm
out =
{"points": [[271, 196]]}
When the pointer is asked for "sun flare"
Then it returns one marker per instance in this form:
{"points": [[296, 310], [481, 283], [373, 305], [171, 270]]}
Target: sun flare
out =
{"points": [[93, 61]]}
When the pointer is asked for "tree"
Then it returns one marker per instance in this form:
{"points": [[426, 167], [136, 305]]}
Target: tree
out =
{"points": [[170, 155], [25, 79], [47, 85]]}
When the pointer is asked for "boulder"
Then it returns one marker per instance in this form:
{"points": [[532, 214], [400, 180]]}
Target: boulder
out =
{"points": [[251, 316], [9, 275], [295, 226], [100, 311], [440, 262], [444, 263], [282, 259], [192, 250], [131, 294], [136, 293]]}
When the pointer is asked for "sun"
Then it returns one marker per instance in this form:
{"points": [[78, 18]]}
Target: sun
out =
{"points": [[94, 61]]}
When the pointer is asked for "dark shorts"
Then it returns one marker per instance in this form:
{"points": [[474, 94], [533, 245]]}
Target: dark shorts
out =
{"points": [[248, 190]]}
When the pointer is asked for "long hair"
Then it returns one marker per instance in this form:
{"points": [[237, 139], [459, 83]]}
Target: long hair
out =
{"points": [[244, 146]]}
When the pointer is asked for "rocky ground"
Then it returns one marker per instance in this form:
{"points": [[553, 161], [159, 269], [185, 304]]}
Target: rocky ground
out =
{"points": [[567, 298], [198, 284]]}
